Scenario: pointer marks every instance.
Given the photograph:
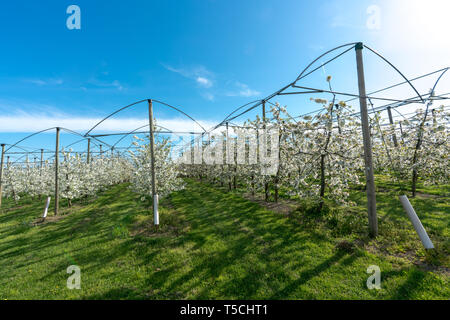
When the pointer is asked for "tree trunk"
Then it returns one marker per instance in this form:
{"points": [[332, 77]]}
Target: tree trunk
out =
{"points": [[415, 174], [266, 191], [253, 185], [276, 189], [322, 181]]}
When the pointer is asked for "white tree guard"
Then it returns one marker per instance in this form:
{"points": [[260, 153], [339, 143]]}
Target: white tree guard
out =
{"points": [[416, 223]]}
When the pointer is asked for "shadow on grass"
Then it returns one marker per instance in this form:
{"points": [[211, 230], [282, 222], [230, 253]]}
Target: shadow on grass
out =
{"points": [[233, 249]]}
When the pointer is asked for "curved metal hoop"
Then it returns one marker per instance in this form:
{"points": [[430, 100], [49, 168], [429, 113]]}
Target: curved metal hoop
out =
{"points": [[396, 69], [141, 127], [110, 115], [182, 112], [435, 84], [137, 102], [322, 55], [29, 136]]}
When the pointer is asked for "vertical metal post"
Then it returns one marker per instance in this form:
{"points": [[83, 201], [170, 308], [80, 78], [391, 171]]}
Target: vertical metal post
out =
{"points": [[228, 157], [88, 157], [264, 113], [370, 181], [152, 155], [391, 121], [266, 184], [57, 172], [1, 173], [401, 132], [101, 150], [42, 158], [192, 150]]}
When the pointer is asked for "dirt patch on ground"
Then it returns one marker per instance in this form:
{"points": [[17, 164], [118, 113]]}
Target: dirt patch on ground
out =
{"points": [[63, 213], [410, 256], [283, 206], [148, 229], [428, 267], [428, 196], [408, 193], [175, 224], [42, 221]]}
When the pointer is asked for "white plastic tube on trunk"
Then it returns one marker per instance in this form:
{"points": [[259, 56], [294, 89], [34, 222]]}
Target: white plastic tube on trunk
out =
{"points": [[46, 208], [416, 223], [155, 210]]}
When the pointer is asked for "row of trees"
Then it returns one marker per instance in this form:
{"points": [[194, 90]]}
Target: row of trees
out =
{"points": [[322, 155], [319, 156], [79, 177]]}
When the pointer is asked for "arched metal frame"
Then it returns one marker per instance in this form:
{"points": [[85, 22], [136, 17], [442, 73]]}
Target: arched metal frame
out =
{"points": [[137, 102], [254, 104], [304, 74], [16, 144], [88, 133]]}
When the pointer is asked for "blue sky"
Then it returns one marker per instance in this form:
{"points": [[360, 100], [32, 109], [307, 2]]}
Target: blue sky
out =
{"points": [[207, 57]]}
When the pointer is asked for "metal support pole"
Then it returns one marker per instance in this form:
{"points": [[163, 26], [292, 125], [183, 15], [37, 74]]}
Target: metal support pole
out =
{"points": [[101, 151], [152, 155], [1, 173], [370, 181], [401, 132], [264, 113], [266, 184], [228, 156], [56, 172], [391, 121], [42, 158], [88, 151]]}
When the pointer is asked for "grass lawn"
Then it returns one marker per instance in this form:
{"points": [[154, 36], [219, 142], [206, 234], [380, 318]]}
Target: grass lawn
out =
{"points": [[214, 244]]}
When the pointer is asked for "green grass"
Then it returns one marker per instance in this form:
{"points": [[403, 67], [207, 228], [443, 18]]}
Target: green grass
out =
{"points": [[212, 244]]}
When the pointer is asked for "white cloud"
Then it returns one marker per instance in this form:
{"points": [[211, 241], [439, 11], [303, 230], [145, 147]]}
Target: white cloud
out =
{"points": [[202, 77], [96, 83], [247, 92], [208, 96], [175, 70], [243, 90], [24, 122], [45, 82], [200, 74], [204, 82], [117, 84], [205, 79]]}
